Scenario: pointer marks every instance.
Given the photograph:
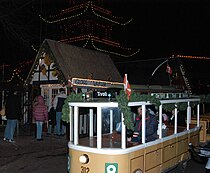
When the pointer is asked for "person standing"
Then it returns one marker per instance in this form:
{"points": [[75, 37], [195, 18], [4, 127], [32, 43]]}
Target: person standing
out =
{"points": [[13, 112], [51, 121], [58, 104], [40, 115]]}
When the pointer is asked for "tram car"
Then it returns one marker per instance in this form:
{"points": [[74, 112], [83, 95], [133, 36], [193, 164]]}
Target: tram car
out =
{"points": [[95, 145]]}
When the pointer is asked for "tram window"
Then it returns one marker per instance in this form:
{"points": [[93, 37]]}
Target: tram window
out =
{"points": [[87, 127], [110, 136]]}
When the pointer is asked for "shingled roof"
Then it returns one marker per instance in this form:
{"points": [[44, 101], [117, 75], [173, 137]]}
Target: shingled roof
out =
{"points": [[78, 62]]}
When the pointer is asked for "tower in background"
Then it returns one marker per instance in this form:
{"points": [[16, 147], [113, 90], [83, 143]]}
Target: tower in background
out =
{"points": [[88, 24]]}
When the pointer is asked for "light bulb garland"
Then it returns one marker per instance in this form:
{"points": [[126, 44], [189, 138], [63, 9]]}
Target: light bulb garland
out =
{"points": [[18, 70], [90, 39], [91, 6], [111, 52], [192, 57]]}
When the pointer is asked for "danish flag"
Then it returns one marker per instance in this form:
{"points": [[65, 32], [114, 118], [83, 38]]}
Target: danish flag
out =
{"points": [[127, 87]]}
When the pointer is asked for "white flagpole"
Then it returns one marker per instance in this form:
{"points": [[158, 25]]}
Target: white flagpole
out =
{"points": [[126, 82]]}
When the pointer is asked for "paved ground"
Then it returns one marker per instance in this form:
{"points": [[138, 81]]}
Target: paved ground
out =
{"points": [[192, 167], [27, 155], [49, 156]]}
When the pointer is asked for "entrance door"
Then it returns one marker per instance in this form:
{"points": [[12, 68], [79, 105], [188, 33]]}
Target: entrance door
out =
{"points": [[49, 92]]}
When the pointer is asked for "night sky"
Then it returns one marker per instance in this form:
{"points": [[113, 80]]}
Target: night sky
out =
{"points": [[159, 28]]}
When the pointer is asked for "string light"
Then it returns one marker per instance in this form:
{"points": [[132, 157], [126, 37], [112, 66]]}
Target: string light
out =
{"points": [[89, 6], [114, 52], [16, 72], [32, 46], [193, 57], [90, 38], [91, 27]]}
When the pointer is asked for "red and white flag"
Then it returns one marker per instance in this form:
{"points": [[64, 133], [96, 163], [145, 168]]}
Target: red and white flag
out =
{"points": [[127, 87], [168, 69]]}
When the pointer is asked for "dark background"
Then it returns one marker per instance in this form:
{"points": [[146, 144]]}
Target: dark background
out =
{"points": [[159, 28]]}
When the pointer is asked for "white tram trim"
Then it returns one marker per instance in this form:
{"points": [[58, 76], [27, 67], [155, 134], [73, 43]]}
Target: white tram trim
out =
{"points": [[117, 151], [101, 105], [179, 100], [91, 104]]}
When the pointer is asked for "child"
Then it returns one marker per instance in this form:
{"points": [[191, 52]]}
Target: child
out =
{"points": [[51, 120]]}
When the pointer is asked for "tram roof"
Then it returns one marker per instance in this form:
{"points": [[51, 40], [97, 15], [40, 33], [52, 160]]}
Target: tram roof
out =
{"points": [[108, 103]]}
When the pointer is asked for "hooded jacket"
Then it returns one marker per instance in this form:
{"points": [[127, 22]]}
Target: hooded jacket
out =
{"points": [[40, 112]]}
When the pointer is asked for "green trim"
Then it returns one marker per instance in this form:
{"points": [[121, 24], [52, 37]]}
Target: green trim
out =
{"points": [[122, 100], [125, 109], [65, 110]]}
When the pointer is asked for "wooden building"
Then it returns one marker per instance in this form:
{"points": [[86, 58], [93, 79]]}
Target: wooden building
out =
{"points": [[58, 65]]}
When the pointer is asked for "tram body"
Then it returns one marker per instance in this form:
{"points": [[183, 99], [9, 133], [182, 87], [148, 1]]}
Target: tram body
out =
{"points": [[98, 151]]}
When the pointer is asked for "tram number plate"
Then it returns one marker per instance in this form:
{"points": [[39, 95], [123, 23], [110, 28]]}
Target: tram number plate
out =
{"points": [[85, 169]]}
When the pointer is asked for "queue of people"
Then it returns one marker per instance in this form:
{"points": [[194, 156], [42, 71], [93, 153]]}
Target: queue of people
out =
{"points": [[53, 118], [42, 119]]}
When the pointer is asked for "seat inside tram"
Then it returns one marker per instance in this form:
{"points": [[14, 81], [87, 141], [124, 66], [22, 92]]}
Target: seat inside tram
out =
{"points": [[110, 127]]}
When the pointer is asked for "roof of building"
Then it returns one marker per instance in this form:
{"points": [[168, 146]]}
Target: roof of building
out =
{"points": [[78, 62]]}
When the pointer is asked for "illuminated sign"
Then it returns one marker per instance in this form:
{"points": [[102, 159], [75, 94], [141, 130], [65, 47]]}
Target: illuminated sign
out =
{"points": [[102, 94], [95, 83]]}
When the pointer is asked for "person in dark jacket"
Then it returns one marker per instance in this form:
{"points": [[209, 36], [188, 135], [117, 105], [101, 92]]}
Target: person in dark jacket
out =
{"points": [[58, 105], [151, 126], [12, 114]]}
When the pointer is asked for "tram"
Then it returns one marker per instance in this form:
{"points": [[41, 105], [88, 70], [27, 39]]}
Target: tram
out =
{"points": [[95, 147]]}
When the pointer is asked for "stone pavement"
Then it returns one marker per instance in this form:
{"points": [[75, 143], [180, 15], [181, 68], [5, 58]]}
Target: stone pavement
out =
{"points": [[29, 155]]}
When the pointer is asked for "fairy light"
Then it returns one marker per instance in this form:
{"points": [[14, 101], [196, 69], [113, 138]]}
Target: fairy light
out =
{"points": [[65, 18], [110, 20], [87, 41], [90, 39], [18, 70], [193, 57], [89, 28], [32, 46], [115, 53], [88, 5]]}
